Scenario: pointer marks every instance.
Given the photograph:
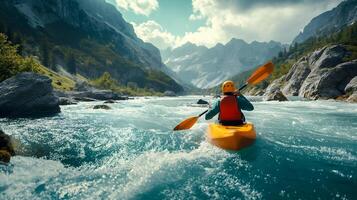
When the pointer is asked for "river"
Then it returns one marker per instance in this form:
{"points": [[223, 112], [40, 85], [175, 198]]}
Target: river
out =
{"points": [[304, 150]]}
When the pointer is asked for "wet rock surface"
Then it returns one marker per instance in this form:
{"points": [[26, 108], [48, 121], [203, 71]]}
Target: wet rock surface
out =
{"points": [[28, 95], [277, 95], [105, 107]]}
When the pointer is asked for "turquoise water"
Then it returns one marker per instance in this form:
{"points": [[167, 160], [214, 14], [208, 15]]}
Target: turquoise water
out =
{"points": [[304, 150]]}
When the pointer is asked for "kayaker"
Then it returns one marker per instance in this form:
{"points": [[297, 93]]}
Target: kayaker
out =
{"points": [[230, 106]]}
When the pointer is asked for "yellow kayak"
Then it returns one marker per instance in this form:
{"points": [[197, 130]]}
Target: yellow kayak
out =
{"points": [[231, 137]]}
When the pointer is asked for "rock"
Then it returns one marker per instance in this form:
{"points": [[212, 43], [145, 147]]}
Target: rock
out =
{"points": [[327, 83], [201, 101], [254, 91], [351, 90], [6, 147], [58, 83], [109, 101], [6, 144], [351, 87], [169, 94], [329, 74], [352, 98], [66, 101], [274, 86], [277, 95], [296, 76], [83, 86], [86, 99], [28, 95], [4, 156], [105, 107], [60, 93], [95, 94]]}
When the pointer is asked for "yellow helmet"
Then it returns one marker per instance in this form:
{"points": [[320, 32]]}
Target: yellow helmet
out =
{"points": [[228, 86]]}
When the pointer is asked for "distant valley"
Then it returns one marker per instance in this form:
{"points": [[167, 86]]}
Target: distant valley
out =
{"points": [[206, 67]]}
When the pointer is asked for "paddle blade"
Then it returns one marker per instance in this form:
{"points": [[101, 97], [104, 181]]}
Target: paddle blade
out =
{"points": [[261, 73], [186, 124]]}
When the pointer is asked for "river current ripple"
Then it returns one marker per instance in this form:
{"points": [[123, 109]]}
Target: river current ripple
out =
{"points": [[304, 150]]}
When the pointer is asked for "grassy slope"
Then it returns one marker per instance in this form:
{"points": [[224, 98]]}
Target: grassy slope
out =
{"points": [[59, 82]]}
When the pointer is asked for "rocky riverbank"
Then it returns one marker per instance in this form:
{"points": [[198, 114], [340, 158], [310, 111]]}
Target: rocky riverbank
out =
{"points": [[323, 74], [31, 95]]}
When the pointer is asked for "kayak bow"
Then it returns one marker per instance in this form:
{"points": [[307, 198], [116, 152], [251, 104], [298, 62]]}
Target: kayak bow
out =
{"points": [[231, 137]]}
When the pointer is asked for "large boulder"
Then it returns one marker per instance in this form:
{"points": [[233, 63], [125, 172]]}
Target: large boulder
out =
{"points": [[329, 73], [352, 98], [351, 90], [202, 102], [27, 95], [351, 87], [105, 107], [274, 86], [296, 76], [327, 83], [277, 95], [6, 144], [6, 147]]}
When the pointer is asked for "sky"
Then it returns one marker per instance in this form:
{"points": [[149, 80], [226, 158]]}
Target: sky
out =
{"points": [[172, 23]]}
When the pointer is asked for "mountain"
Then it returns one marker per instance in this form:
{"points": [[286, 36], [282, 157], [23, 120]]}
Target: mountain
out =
{"points": [[206, 67], [343, 15], [85, 37]]}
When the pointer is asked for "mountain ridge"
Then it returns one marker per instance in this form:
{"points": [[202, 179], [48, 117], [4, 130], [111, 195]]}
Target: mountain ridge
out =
{"points": [[58, 31], [333, 20], [206, 67]]}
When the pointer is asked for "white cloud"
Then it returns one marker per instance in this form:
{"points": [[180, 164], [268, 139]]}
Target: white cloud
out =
{"points": [[153, 32], [224, 20], [227, 19], [143, 7]]}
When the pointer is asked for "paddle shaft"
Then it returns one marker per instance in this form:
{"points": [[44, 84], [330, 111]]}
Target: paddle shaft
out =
{"points": [[243, 86]]}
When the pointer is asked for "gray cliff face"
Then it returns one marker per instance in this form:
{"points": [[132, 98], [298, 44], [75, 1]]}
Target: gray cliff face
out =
{"points": [[208, 67], [343, 15], [27, 95], [322, 74]]}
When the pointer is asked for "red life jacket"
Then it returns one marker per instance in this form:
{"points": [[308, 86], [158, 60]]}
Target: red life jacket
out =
{"points": [[229, 109]]}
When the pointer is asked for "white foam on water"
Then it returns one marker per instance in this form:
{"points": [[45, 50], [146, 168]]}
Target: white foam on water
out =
{"points": [[141, 152]]}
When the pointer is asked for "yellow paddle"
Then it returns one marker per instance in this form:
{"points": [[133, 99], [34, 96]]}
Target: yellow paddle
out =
{"points": [[259, 75]]}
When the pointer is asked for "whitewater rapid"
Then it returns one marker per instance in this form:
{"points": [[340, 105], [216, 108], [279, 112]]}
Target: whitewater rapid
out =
{"points": [[304, 150]]}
